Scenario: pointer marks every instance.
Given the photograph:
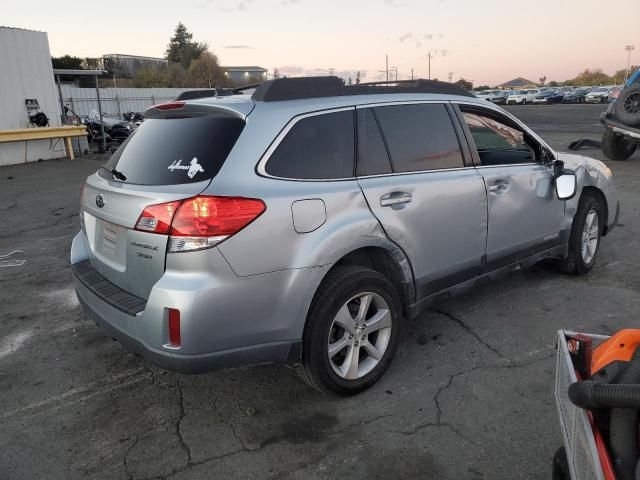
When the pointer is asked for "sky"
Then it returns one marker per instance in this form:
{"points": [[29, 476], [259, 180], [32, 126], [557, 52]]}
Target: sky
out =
{"points": [[486, 41]]}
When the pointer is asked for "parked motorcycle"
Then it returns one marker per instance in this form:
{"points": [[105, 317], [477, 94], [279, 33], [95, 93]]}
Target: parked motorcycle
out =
{"points": [[115, 130]]}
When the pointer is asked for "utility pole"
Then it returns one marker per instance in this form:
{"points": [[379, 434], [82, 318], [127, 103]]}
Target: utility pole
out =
{"points": [[450, 76], [331, 70], [395, 70], [429, 57], [412, 74], [386, 66], [628, 48]]}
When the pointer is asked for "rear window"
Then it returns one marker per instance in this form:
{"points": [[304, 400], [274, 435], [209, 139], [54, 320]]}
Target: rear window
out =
{"points": [[176, 150]]}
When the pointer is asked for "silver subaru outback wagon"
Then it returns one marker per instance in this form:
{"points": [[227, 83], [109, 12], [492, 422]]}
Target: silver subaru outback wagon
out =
{"points": [[303, 223]]}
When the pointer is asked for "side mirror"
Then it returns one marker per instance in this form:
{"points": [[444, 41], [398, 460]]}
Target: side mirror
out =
{"points": [[566, 185]]}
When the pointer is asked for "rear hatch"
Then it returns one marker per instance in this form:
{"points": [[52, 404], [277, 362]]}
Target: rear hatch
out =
{"points": [[173, 155]]}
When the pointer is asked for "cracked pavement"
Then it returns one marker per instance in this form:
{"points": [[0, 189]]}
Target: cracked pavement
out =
{"points": [[469, 394]]}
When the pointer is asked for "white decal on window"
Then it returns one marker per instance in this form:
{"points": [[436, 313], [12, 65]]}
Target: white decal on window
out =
{"points": [[193, 168]]}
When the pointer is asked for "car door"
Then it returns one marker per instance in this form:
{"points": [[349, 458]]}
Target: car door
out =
{"points": [[525, 216], [412, 171]]}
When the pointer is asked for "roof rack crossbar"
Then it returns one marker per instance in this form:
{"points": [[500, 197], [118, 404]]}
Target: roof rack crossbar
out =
{"points": [[330, 86]]}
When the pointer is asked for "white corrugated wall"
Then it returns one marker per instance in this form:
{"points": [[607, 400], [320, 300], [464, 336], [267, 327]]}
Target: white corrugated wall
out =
{"points": [[26, 73], [116, 101]]}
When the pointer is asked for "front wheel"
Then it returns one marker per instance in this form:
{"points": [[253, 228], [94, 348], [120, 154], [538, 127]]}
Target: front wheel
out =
{"points": [[352, 331], [627, 107], [616, 147], [584, 240], [524, 101]]}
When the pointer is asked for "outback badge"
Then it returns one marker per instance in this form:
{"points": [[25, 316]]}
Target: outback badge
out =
{"points": [[99, 201]]}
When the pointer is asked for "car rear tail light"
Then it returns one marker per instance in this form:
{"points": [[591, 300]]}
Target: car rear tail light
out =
{"points": [[174, 327], [200, 222], [157, 218]]}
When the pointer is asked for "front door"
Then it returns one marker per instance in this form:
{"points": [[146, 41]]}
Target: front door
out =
{"points": [[417, 185], [525, 216]]}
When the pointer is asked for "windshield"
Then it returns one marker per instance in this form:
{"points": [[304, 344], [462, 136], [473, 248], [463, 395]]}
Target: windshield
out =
{"points": [[175, 151], [601, 89]]}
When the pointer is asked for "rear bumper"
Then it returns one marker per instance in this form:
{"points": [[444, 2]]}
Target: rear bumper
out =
{"points": [[110, 320], [225, 320]]}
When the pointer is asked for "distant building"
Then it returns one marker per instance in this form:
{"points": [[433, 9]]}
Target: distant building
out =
{"points": [[518, 83], [128, 65], [245, 75]]}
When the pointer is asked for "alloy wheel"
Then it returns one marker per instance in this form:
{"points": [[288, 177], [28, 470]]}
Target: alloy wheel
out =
{"points": [[632, 104], [359, 335], [590, 236]]}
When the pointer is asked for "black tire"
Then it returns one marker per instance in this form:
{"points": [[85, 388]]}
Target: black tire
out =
{"points": [[627, 107], [560, 465], [524, 101], [575, 263], [341, 284], [616, 147]]}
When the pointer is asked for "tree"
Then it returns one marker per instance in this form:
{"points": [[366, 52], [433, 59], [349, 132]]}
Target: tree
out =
{"points": [[67, 61], [553, 83], [276, 73], [542, 80], [482, 87], [349, 82], [176, 76], [466, 84], [358, 77], [150, 77], [591, 77], [205, 71], [182, 49], [92, 63], [619, 76]]}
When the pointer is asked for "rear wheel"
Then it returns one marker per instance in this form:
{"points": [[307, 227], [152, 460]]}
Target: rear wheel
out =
{"points": [[524, 101], [627, 107], [584, 240], [615, 146], [352, 331]]}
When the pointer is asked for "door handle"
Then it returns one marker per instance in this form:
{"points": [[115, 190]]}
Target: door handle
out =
{"points": [[395, 198], [499, 187]]}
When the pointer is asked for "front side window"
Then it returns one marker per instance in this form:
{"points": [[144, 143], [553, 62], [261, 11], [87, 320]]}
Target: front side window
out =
{"points": [[419, 137], [496, 142], [316, 148]]}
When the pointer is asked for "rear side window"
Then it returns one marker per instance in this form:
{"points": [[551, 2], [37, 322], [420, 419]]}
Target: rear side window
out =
{"points": [[316, 148], [420, 137], [177, 150], [372, 154]]}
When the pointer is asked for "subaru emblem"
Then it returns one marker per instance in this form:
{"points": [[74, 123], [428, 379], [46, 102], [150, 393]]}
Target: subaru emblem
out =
{"points": [[99, 201]]}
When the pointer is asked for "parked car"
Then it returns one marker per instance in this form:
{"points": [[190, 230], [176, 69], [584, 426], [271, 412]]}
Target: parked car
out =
{"points": [[522, 97], [613, 93], [484, 94], [598, 95], [576, 95], [622, 121], [499, 97], [549, 96], [244, 230]]}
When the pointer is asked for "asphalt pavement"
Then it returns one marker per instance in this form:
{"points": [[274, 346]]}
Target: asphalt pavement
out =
{"points": [[468, 396]]}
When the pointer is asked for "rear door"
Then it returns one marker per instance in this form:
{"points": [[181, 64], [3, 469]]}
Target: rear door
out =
{"points": [[165, 159], [412, 171], [525, 215]]}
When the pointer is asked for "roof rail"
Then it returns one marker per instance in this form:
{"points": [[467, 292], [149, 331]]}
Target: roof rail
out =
{"points": [[314, 87]]}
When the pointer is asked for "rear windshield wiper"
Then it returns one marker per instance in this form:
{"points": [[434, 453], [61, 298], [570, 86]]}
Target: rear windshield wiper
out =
{"points": [[116, 174]]}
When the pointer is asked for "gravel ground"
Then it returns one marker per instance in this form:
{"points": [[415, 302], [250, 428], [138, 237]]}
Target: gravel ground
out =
{"points": [[469, 394]]}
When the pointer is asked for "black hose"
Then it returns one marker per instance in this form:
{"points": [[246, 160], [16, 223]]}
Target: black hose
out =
{"points": [[590, 394], [624, 398], [623, 427]]}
